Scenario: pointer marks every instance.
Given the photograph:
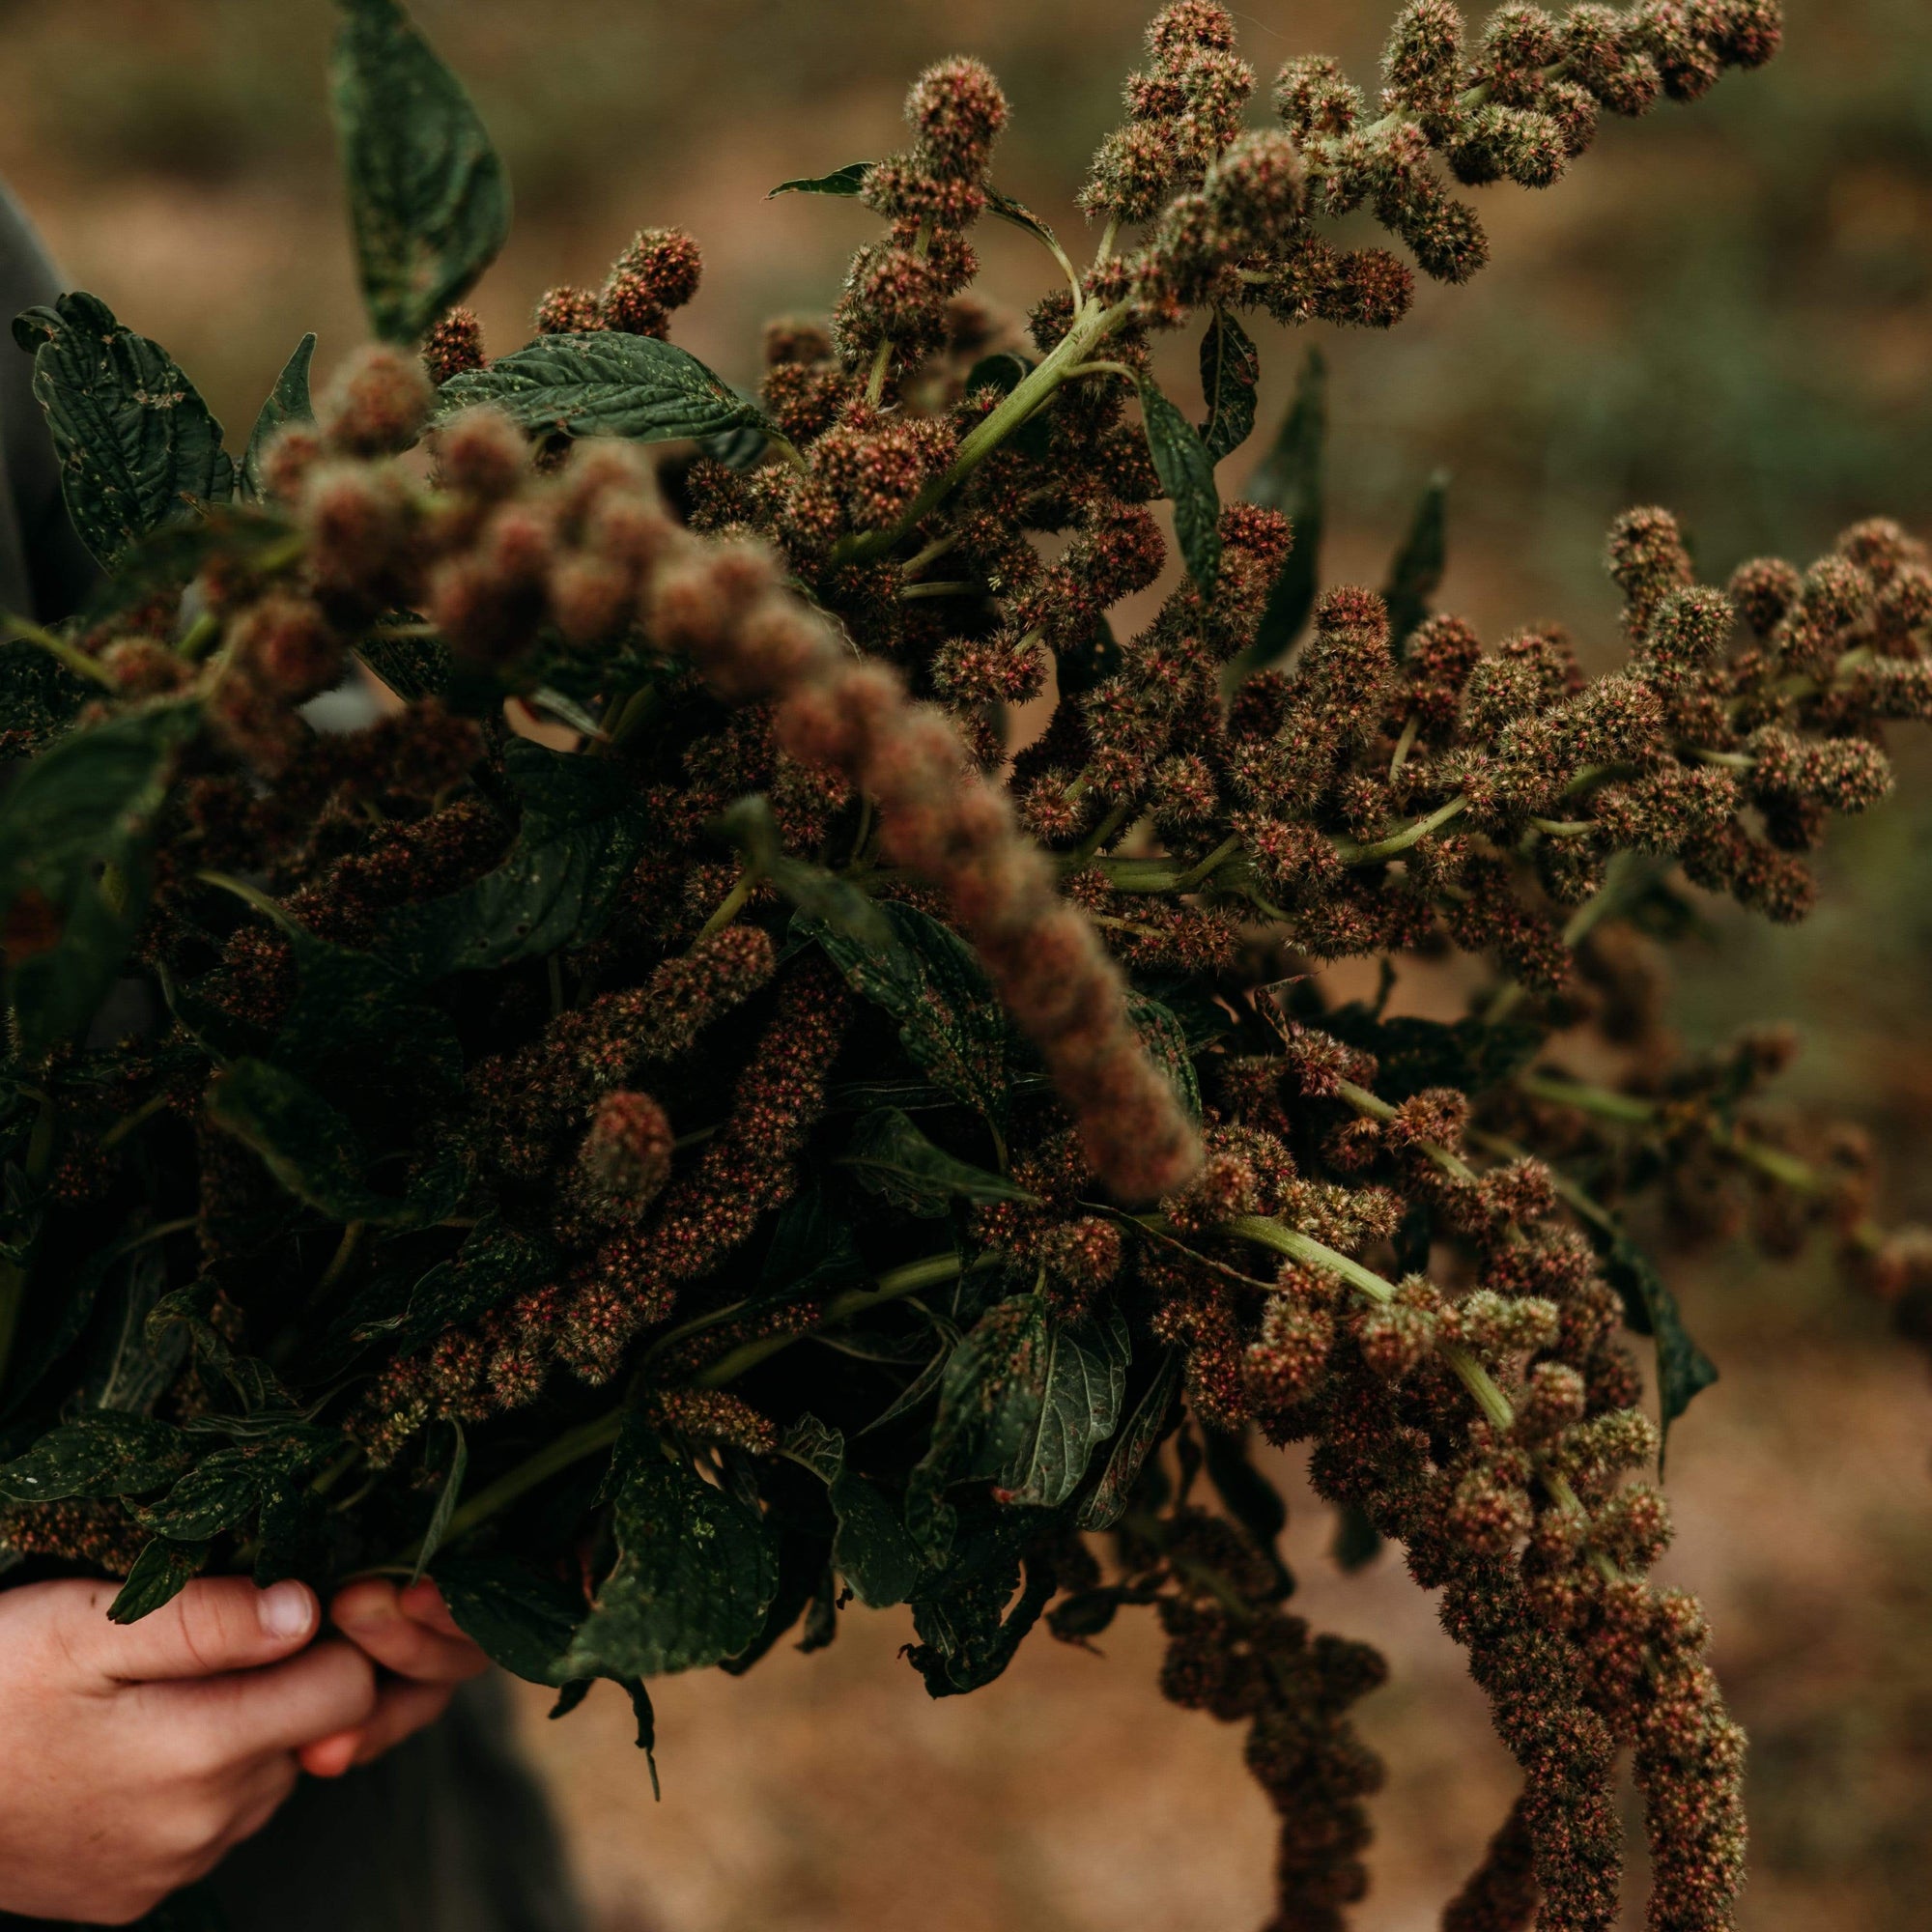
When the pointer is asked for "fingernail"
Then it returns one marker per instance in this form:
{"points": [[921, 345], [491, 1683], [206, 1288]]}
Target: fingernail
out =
{"points": [[285, 1611]]}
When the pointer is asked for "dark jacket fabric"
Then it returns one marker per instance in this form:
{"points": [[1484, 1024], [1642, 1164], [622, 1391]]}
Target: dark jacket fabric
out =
{"points": [[449, 1832]]}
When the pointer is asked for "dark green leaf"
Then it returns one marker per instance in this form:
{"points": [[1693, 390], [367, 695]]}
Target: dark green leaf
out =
{"points": [[1416, 574], [892, 1157], [1290, 479], [310, 1147], [694, 1574], [1003, 371], [494, 1262], [189, 1311], [1166, 1041], [1079, 1372], [521, 1618], [1231, 368], [75, 835], [873, 1550], [604, 383], [1413, 1054], [1132, 1446], [850, 180], [412, 667], [748, 825], [218, 1493], [428, 199], [930, 981], [445, 1502], [1187, 476], [162, 1571], [1021, 216], [1250, 1499], [1683, 1369], [968, 1636], [583, 827], [102, 1454], [137, 443], [171, 554], [288, 402], [1357, 1541]]}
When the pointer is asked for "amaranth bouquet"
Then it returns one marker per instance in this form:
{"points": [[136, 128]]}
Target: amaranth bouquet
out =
{"points": [[805, 1143]]}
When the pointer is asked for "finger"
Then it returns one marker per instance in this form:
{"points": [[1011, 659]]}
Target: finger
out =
{"points": [[401, 1709], [424, 1602], [330, 1688], [373, 1614], [217, 1624]]}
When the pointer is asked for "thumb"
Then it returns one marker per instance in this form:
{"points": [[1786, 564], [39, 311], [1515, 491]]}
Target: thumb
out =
{"points": [[217, 1623]]}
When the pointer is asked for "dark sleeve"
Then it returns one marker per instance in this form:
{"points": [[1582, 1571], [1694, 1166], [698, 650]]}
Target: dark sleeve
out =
{"points": [[45, 568]]}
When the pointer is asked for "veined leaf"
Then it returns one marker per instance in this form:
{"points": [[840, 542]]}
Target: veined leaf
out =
{"points": [[602, 382], [74, 865], [930, 981], [1166, 1041], [850, 180], [103, 1453], [136, 443], [694, 1574], [1081, 1374], [288, 402], [428, 199], [891, 1157], [870, 1547], [583, 827], [1021, 216], [1187, 474], [313, 1152], [1135, 1442], [162, 1571], [521, 1618], [1231, 369], [219, 1493], [1416, 574]]}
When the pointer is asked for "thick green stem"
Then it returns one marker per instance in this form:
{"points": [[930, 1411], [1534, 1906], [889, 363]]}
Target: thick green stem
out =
{"points": [[1353, 853], [1029, 395]]}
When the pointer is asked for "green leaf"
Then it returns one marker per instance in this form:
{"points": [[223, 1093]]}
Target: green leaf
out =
{"points": [[583, 827], [254, 1384], [412, 667], [1021, 216], [136, 443], [521, 1618], [1290, 479], [445, 1502], [311, 1149], [494, 1262], [157, 565], [75, 837], [1683, 1369], [893, 1159], [694, 1574], [1166, 1041], [428, 199], [162, 1571], [1231, 369], [1003, 370], [288, 402], [1187, 474], [1023, 1404], [850, 180], [1080, 1374], [1414, 1054], [967, 1634], [103, 1453], [870, 1547], [748, 824], [1136, 1441], [1416, 574], [604, 383], [930, 981], [218, 1493], [1250, 1499]]}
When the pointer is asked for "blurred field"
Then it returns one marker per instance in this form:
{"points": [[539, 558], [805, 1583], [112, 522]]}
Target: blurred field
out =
{"points": [[1729, 310]]}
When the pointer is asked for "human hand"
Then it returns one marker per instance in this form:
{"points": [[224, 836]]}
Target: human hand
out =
{"points": [[411, 1634], [137, 1756]]}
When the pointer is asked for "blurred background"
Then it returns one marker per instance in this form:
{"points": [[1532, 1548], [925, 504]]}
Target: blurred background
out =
{"points": [[1729, 310]]}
